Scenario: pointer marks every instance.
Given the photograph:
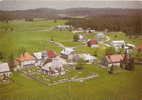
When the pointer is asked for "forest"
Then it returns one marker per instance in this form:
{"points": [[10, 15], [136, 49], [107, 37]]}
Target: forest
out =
{"points": [[130, 24]]}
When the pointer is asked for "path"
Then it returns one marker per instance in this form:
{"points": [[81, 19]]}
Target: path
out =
{"points": [[63, 80]]}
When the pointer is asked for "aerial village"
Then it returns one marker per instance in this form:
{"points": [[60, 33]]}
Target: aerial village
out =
{"points": [[51, 64]]}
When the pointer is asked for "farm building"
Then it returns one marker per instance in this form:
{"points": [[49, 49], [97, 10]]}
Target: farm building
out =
{"points": [[54, 67], [25, 60], [113, 60], [38, 58], [92, 43], [118, 43], [66, 52], [4, 70]]}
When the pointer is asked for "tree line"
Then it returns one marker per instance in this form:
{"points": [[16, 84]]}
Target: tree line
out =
{"points": [[131, 24]]}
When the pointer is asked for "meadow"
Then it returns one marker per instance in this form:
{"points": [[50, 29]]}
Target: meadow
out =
{"points": [[122, 85]]}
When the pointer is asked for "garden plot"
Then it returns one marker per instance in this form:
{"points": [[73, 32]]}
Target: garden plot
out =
{"points": [[71, 75]]}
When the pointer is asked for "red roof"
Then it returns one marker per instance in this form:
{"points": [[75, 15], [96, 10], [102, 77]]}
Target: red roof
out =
{"points": [[92, 42], [51, 53], [139, 47], [25, 56], [114, 58]]}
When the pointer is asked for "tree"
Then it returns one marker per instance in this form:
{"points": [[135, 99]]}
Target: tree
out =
{"points": [[110, 51], [11, 61], [80, 63], [76, 37]]}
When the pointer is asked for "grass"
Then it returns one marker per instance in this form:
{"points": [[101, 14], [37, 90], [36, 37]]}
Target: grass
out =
{"points": [[32, 40], [124, 85]]}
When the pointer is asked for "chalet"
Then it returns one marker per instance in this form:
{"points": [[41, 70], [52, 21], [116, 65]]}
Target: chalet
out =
{"points": [[118, 43], [38, 58], [113, 60], [92, 43], [25, 60], [54, 67], [66, 52], [4, 70]]}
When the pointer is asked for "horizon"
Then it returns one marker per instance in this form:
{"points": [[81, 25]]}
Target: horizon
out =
{"points": [[64, 4]]}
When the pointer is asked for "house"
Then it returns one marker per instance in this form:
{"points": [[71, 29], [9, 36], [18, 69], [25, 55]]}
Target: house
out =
{"points": [[87, 57], [118, 43], [130, 46], [38, 58], [113, 60], [64, 27], [54, 67], [100, 35], [78, 30], [25, 60], [92, 43], [66, 52], [4, 71], [139, 48], [48, 54]]}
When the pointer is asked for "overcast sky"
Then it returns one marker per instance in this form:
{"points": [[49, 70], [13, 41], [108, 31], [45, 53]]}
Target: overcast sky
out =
{"points": [[63, 4]]}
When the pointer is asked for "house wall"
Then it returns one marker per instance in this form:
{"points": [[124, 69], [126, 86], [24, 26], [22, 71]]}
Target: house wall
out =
{"points": [[94, 46], [38, 62], [26, 63]]}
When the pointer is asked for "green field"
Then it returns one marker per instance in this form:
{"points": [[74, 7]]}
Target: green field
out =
{"points": [[123, 85]]}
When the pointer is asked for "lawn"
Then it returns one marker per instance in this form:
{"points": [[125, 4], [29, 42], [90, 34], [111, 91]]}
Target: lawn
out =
{"points": [[123, 85], [32, 41]]}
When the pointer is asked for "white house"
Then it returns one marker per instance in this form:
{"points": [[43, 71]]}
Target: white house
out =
{"points": [[54, 67], [25, 60], [4, 70], [38, 58], [118, 43], [64, 27], [87, 57], [66, 52]]}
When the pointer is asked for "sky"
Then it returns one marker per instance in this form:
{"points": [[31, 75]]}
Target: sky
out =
{"points": [[63, 4]]}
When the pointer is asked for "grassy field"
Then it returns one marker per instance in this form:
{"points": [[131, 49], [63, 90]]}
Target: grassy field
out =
{"points": [[124, 85]]}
